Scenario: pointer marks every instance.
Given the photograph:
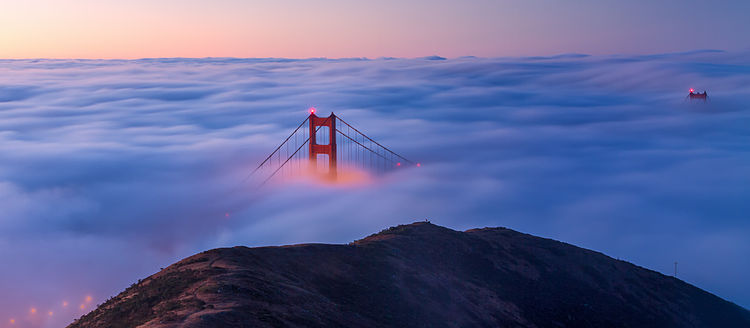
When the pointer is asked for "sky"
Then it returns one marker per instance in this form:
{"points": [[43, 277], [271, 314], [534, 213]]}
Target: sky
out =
{"points": [[113, 169], [389, 28]]}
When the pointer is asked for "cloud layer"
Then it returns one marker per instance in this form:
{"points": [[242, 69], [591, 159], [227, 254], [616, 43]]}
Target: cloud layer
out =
{"points": [[113, 169]]}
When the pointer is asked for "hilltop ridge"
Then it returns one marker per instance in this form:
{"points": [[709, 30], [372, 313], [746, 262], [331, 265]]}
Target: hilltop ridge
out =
{"points": [[416, 275]]}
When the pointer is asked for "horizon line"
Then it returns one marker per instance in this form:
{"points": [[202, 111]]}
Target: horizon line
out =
{"points": [[428, 57]]}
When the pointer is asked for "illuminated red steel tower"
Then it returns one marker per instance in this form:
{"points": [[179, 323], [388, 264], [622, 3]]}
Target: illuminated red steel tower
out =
{"points": [[328, 149]]}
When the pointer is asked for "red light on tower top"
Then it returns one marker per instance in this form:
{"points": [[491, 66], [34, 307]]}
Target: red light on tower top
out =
{"points": [[692, 90], [312, 110]]}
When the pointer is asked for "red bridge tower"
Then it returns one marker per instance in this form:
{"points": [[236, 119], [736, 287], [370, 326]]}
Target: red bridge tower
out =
{"points": [[326, 149]]}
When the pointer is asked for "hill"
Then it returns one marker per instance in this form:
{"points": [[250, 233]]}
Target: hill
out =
{"points": [[416, 275]]}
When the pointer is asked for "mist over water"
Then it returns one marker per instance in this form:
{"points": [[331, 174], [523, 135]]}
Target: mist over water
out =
{"points": [[112, 169]]}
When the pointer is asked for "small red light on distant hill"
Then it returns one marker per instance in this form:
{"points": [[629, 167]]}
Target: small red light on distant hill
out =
{"points": [[312, 110], [398, 164], [419, 165]]}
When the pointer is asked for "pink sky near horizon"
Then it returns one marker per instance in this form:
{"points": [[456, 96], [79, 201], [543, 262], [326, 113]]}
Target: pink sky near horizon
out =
{"points": [[338, 28]]}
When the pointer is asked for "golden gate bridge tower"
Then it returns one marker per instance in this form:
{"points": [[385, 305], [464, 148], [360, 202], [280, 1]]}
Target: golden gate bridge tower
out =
{"points": [[326, 146], [328, 149]]}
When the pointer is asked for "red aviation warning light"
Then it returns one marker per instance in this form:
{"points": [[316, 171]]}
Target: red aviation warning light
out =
{"points": [[312, 110], [692, 90]]}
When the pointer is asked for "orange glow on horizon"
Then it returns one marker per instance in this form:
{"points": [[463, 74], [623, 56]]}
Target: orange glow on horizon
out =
{"points": [[12, 321], [261, 29], [65, 304], [50, 313], [83, 306], [105, 29], [33, 310], [88, 299]]}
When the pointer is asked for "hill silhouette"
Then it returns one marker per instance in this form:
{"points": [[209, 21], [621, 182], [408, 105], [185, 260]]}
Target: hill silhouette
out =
{"points": [[416, 275]]}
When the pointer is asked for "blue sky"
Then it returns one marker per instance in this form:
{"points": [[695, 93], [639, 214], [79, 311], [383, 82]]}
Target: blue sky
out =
{"points": [[113, 169], [340, 28]]}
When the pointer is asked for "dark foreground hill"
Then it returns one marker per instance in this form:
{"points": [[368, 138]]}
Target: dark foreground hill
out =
{"points": [[417, 275]]}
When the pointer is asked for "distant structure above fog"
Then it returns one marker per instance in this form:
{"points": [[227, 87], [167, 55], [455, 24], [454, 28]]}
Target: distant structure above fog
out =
{"points": [[697, 96]]}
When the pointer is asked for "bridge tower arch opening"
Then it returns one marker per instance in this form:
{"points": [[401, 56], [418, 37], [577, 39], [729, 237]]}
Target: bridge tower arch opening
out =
{"points": [[328, 149]]}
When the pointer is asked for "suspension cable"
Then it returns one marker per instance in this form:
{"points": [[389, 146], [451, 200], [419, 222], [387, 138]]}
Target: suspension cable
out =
{"points": [[363, 146], [295, 152], [277, 149], [364, 135]]}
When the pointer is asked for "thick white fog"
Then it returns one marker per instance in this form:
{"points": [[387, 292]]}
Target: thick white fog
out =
{"points": [[113, 169]]}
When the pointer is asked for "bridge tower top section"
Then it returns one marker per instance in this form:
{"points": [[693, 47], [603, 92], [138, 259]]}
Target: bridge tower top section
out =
{"points": [[323, 149]]}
